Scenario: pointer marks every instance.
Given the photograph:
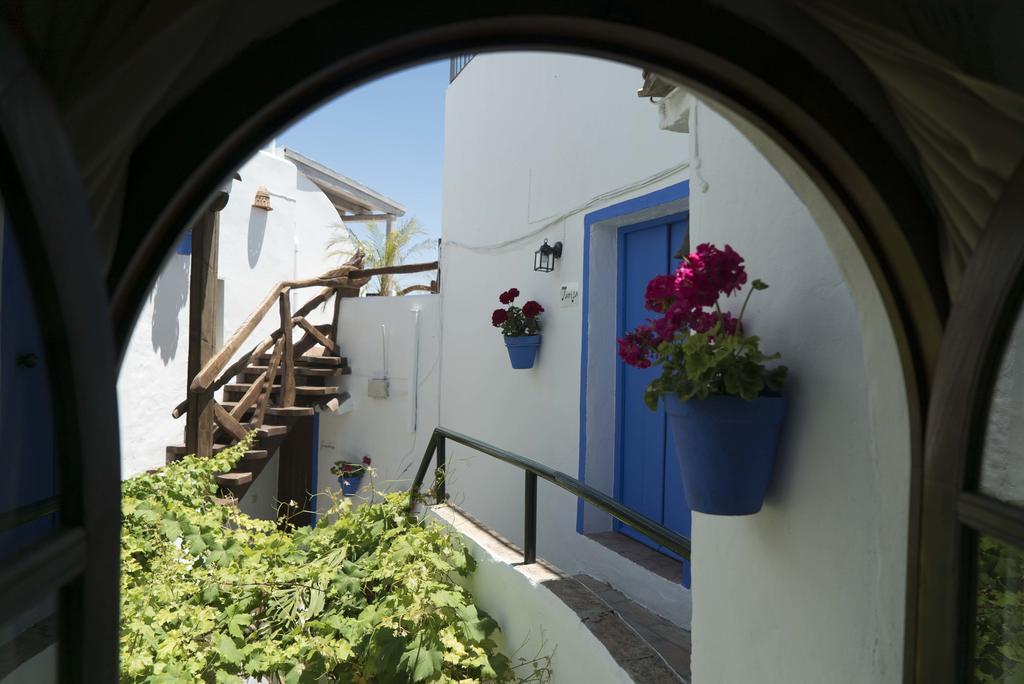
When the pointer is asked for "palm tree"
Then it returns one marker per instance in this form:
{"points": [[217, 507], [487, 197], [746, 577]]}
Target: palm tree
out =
{"points": [[381, 249]]}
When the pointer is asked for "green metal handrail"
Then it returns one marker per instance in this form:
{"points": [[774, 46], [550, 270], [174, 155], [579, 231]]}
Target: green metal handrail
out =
{"points": [[437, 446]]}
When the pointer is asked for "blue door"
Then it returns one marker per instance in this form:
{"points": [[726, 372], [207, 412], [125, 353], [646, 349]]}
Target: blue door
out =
{"points": [[28, 488], [648, 478]]}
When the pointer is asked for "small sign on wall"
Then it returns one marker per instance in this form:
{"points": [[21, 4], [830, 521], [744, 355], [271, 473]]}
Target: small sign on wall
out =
{"points": [[570, 294]]}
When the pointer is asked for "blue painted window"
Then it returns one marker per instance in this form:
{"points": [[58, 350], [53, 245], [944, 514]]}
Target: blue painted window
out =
{"points": [[647, 473]]}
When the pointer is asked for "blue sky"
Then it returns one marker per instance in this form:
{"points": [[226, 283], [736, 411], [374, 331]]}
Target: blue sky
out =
{"points": [[388, 134]]}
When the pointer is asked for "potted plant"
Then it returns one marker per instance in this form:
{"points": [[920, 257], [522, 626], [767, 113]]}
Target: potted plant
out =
{"points": [[350, 475], [521, 328], [723, 401]]}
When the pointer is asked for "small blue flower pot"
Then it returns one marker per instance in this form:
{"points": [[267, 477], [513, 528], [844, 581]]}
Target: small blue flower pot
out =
{"points": [[726, 448], [522, 351], [350, 485]]}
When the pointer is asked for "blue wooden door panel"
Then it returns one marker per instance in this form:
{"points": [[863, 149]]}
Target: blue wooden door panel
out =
{"points": [[648, 478], [28, 456], [641, 431]]}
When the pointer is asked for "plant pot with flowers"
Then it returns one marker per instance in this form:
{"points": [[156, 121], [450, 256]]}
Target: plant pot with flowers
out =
{"points": [[723, 401], [350, 475], [521, 328]]}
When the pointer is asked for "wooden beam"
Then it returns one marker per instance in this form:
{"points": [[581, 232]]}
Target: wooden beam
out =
{"points": [[249, 398], [268, 385], [202, 331], [327, 343], [365, 218], [420, 288], [233, 370], [288, 357], [210, 371], [244, 360], [404, 268], [340, 280], [227, 421]]}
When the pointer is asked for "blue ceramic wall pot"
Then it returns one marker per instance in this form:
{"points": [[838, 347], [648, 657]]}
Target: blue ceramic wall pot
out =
{"points": [[726, 450], [522, 350], [350, 484]]}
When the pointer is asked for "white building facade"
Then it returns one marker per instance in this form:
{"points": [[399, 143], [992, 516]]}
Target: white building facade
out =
{"points": [[542, 146], [257, 249]]}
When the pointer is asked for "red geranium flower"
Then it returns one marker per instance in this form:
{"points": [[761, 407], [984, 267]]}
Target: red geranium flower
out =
{"points": [[508, 296], [532, 309], [499, 317]]}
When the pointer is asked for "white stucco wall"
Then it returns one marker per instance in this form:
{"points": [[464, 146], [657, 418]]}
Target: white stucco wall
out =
{"points": [[528, 138], [257, 250], [384, 429], [811, 589]]}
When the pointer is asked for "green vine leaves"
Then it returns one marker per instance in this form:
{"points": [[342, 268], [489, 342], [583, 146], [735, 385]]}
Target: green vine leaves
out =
{"points": [[209, 594]]}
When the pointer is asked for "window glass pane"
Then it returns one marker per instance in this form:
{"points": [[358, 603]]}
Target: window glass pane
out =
{"points": [[1002, 465], [28, 645], [999, 616], [28, 487]]}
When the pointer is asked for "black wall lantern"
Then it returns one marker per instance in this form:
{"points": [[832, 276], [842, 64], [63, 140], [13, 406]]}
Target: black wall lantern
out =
{"points": [[544, 258]]}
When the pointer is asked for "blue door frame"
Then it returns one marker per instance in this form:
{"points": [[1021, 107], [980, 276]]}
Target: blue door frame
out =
{"points": [[621, 211]]}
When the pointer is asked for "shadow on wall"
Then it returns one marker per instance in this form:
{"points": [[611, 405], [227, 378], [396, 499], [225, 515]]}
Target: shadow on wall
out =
{"points": [[257, 229], [169, 297]]}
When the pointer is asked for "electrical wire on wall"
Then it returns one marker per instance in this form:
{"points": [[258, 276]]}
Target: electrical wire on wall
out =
{"points": [[551, 221], [702, 183]]}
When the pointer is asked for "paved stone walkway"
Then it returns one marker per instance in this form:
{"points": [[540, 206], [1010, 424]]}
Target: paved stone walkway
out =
{"points": [[649, 648]]}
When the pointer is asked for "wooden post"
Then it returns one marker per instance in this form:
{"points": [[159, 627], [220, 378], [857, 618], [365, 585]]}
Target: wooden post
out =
{"points": [[202, 330], [287, 356]]}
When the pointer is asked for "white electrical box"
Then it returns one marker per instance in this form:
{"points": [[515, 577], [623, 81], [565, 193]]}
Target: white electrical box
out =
{"points": [[378, 388]]}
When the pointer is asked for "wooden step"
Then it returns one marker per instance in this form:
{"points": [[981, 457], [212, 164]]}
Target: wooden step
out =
{"points": [[300, 390], [272, 430], [176, 451], [308, 371], [308, 361], [233, 479], [284, 411]]}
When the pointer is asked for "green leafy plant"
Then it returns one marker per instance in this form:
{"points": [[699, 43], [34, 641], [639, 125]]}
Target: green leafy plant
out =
{"points": [[209, 594], [381, 248], [999, 613], [702, 351]]}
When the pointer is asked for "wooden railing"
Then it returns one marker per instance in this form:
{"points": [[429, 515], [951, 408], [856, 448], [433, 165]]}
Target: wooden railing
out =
{"points": [[204, 411]]}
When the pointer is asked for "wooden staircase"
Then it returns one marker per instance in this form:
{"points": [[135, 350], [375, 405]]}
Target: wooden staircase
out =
{"points": [[278, 382], [281, 380]]}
